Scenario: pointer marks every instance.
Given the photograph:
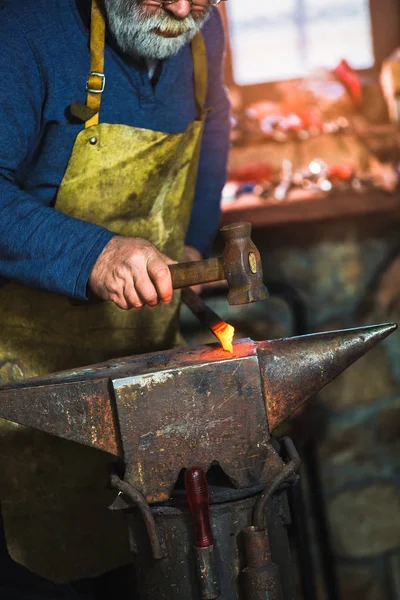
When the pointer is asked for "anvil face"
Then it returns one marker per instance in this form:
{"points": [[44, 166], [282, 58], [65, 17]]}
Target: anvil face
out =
{"points": [[195, 415], [166, 411]]}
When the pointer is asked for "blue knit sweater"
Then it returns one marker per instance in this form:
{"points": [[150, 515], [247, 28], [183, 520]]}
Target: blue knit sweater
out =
{"points": [[44, 64]]}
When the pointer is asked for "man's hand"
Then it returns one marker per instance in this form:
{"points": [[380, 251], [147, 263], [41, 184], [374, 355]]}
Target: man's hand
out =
{"points": [[132, 273]]}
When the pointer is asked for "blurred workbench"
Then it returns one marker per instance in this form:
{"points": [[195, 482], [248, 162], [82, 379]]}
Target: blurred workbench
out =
{"points": [[302, 206]]}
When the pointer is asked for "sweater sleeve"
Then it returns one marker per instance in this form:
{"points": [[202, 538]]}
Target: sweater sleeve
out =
{"points": [[39, 246], [215, 145]]}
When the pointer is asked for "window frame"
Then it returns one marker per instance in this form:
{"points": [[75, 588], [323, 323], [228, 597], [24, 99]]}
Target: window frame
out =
{"points": [[385, 22]]}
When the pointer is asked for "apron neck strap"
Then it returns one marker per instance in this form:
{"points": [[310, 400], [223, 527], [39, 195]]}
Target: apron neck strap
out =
{"points": [[199, 54], [96, 80]]}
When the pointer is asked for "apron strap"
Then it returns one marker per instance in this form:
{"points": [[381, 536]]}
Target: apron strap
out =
{"points": [[96, 80], [199, 54]]}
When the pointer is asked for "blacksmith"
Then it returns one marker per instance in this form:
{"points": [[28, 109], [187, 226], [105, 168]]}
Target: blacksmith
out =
{"points": [[114, 128]]}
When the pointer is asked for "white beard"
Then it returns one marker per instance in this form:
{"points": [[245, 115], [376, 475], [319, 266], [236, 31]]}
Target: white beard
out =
{"points": [[133, 29]]}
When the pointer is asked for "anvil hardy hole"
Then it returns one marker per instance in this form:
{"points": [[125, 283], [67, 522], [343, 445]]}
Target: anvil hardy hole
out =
{"points": [[216, 477], [180, 482]]}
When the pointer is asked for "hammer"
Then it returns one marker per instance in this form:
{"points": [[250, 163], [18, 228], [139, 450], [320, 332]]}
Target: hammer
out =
{"points": [[239, 265]]}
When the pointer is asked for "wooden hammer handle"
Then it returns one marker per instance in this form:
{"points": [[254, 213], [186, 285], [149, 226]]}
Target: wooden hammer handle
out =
{"points": [[197, 272]]}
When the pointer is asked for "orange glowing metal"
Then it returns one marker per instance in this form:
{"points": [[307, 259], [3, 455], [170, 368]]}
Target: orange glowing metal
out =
{"points": [[224, 333]]}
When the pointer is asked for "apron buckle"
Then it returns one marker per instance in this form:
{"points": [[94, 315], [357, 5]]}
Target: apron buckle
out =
{"points": [[90, 83]]}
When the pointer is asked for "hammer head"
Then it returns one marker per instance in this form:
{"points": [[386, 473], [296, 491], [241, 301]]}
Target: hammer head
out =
{"points": [[242, 265]]}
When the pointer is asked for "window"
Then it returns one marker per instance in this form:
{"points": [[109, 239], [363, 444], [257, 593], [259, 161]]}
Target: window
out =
{"points": [[286, 39]]}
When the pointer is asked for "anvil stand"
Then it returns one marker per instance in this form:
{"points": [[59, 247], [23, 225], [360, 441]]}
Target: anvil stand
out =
{"points": [[249, 528]]}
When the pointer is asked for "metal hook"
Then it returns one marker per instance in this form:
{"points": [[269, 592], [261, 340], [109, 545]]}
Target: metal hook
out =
{"points": [[289, 469], [140, 501]]}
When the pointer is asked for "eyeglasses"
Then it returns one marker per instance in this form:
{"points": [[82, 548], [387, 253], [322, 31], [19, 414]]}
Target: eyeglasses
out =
{"points": [[202, 3]]}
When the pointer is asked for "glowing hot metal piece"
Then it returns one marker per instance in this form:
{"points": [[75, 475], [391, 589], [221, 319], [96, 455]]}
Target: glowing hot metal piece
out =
{"points": [[222, 330], [224, 333]]}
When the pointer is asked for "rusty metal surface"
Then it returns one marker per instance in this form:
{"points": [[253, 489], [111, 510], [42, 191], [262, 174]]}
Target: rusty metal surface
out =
{"points": [[260, 576], [256, 547], [295, 369], [78, 404], [139, 364], [194, 415], [177, 571], [262, 584], [207, 573], [165, 411], [80, 411]]}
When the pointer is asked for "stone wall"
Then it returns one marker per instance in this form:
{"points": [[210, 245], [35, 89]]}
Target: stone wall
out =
{"points": [[348, 274]]}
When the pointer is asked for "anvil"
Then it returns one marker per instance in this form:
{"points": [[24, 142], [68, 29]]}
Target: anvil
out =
{"points": [[166, 411]]}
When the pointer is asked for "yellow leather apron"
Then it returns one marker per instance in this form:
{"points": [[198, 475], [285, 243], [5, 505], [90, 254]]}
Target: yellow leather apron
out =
{"points": [[135, 182]]}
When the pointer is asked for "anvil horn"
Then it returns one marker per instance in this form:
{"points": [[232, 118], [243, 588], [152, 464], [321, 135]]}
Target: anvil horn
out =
{"points": [[295, 369]]}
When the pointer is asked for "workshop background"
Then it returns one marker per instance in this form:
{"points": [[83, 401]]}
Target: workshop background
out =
{"points": [[314, 166]]}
